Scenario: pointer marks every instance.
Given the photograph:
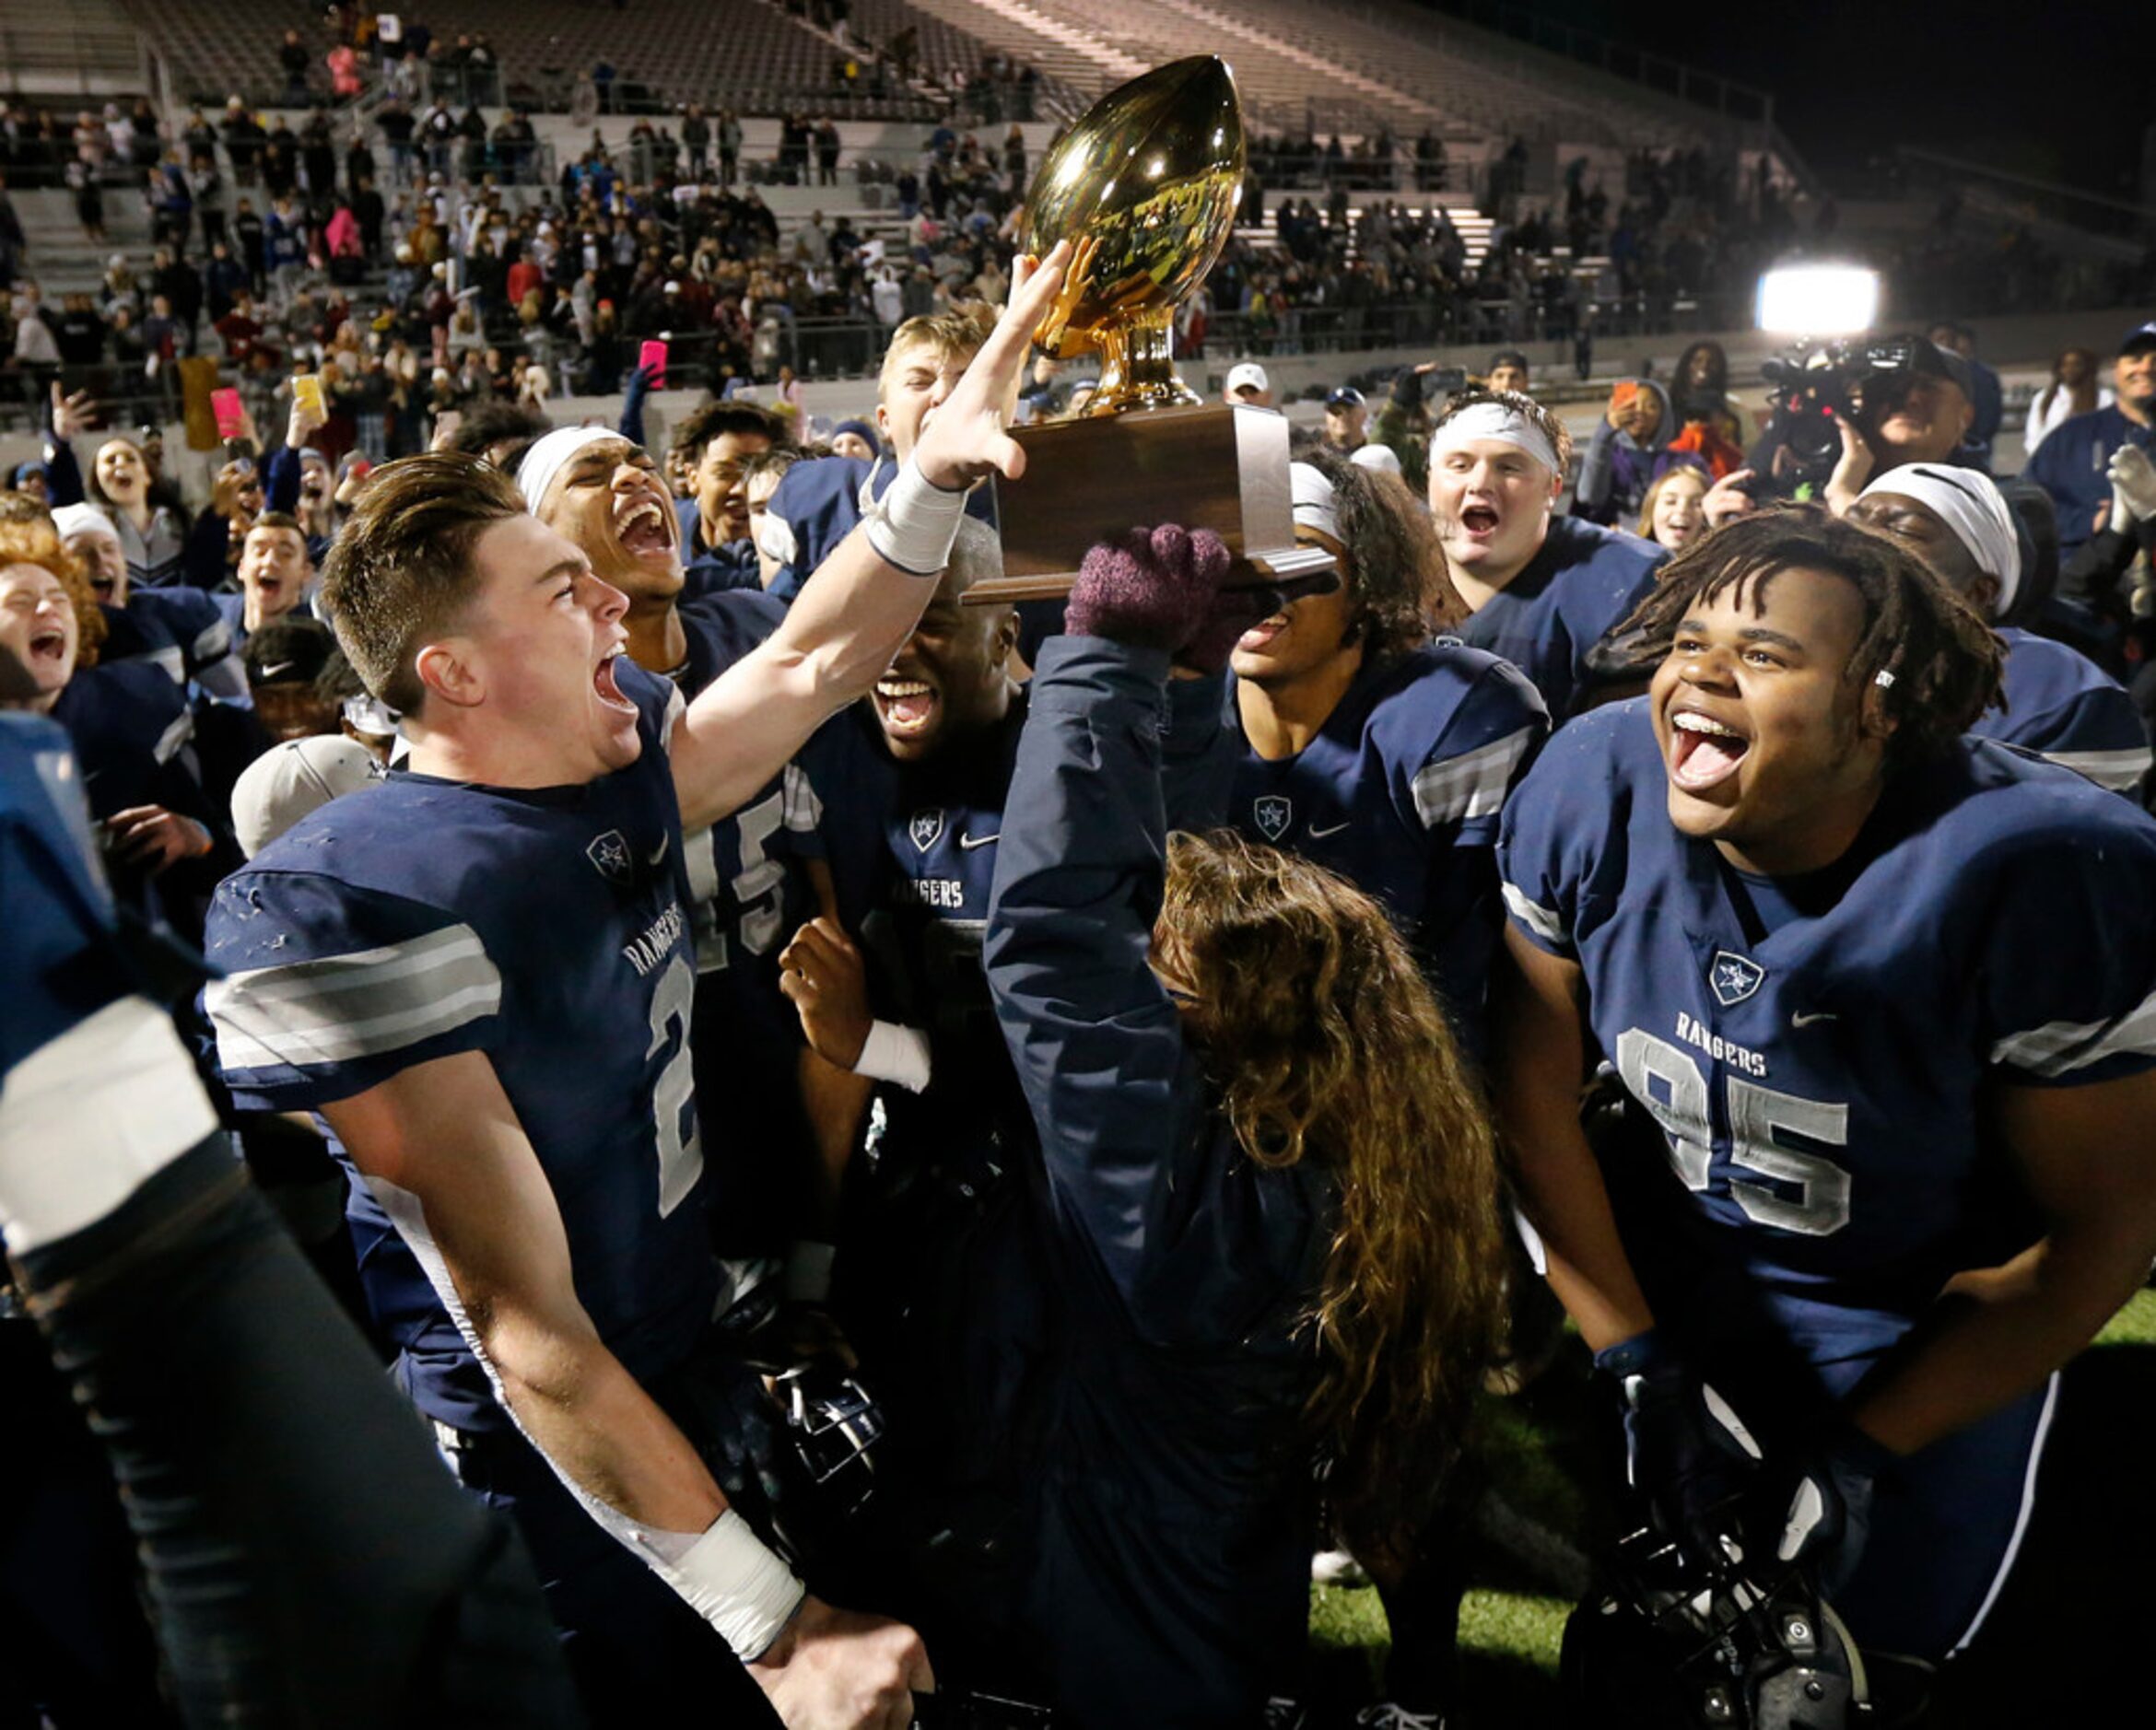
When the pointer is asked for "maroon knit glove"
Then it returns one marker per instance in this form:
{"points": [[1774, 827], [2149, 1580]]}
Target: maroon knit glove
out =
{"points": [[1153, 589]]}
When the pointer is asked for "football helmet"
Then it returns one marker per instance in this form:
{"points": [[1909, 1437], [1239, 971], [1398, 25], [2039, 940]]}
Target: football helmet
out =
{"points": [[1670, 1643]]}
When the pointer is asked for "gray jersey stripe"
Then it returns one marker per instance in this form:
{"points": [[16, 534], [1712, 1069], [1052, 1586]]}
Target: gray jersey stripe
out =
{"points": [[2060, 1047], [2117, 770], [342, 1007], [1544, 923], [175, 736], [1471, 785]]}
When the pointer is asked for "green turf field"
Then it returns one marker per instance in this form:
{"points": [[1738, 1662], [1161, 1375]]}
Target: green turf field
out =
{"points": [[2081, 1586]]}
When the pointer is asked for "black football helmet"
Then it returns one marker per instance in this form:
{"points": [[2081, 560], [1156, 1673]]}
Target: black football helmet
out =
{"points": [[1667, 1643]]}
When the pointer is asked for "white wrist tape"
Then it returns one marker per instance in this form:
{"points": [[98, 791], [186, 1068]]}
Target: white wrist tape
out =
{"points": [[892, 1053], [913, 525], [91, 1116], [734, 1582]]}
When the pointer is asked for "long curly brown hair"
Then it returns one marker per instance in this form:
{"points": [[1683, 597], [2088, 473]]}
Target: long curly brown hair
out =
{"points": [[1326, 1043]]}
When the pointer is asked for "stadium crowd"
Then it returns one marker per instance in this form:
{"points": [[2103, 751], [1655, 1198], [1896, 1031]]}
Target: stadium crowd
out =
{"points": [[902, 1140]]}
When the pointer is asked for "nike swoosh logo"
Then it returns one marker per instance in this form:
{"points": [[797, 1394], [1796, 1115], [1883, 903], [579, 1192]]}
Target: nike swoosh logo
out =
{"points": [[1319, 834], [282, 666], [1806, 1020], [659, 852], [971, 841]]}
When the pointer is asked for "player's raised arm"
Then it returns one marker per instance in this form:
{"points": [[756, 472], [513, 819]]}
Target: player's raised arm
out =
{"points": [[843, 631]]}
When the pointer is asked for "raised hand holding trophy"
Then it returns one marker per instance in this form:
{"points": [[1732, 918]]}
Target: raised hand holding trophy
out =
{"points": [[1145, 186]]}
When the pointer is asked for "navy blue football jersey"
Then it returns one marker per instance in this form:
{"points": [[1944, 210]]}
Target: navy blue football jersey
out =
{"points": [[2065, 708], [1815, 1050], [1548, 620], [1399, 793], [62, 964], [131, 726], [185, 632], [816, 505], [546, 928], [750, 893], [911, 851]]}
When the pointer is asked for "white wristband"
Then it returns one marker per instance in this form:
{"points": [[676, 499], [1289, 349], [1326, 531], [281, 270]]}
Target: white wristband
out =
{"points": [[892, 1053], [734, 1582], [913, 525]]}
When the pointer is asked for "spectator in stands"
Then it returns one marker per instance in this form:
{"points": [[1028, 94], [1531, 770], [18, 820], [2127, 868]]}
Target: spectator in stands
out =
{"points": [[1347, 420], [828, 149], [293, 57], [151, 535], [14, 247], [729, 139], [1669, 514], [1508, 370], [2073, 390], [1247, 382], [1624, 455], [280, 159], [1985, 390], [34, 345], [80, 332], [243, 140], [853, 438], [2072, 464], [1705, 424]]}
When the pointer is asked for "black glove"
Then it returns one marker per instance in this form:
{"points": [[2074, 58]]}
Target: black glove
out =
{"points": [[1687, 1452], [1818, 1507]]}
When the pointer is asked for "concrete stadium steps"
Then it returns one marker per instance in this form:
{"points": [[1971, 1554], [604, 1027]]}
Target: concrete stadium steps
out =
{"points": [[1474, 227], [88, 50]]}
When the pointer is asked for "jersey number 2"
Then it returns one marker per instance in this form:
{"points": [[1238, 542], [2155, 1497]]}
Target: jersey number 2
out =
{"points": [[1757, 1114], [681, 1151]]}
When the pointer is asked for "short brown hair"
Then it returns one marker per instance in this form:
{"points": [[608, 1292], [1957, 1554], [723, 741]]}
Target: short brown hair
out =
{"points": [[400, 570], [1519, 403], [278, 519], [715, 420], [960, 331]]}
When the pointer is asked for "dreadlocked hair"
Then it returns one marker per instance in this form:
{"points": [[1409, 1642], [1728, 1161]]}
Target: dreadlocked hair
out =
{"points": [[1325, 1042], [1396, 576], [1942, 660]]}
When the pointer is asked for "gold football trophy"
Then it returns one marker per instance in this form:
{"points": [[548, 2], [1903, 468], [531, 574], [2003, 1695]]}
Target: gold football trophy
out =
{"points": [[1145, 186]]}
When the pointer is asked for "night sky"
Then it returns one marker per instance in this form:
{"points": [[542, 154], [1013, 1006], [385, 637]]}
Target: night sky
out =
{"points": [[2059, 91]]}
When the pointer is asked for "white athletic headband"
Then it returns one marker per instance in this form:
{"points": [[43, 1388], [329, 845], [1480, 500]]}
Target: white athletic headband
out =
{"points": [[1495, 420], [551, 454], [1316, 505], [1973, 507]]}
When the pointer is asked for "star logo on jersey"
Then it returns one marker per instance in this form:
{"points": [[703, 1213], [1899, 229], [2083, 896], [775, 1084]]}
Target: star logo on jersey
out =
{"points": [[1734, 978], [1272, 813], [926, 829], [609, 854]]}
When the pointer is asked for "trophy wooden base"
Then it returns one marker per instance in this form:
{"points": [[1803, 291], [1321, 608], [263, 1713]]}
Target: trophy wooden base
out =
{"points": [[1218, 466]]}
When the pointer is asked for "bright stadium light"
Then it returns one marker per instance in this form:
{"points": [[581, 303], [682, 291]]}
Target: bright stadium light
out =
{"points": [[1818, 301]]}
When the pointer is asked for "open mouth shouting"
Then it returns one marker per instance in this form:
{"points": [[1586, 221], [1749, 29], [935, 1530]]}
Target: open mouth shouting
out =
{"points": [[1480, 522], [1703, 752], [608, 688], [642, 524], [906, 708], [49, 651]]}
